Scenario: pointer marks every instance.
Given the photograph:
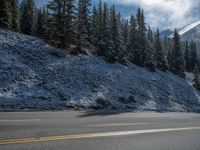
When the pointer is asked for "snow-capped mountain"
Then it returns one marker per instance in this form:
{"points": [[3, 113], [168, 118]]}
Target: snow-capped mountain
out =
{"points": [[188, 28], [191, 32], [166, 33]]}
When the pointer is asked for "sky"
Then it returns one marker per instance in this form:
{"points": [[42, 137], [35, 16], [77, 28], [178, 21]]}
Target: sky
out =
{"points": [[165, 14]]}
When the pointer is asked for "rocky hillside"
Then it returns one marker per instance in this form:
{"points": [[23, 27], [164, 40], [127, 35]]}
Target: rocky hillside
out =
{"points": [[34, 75]]}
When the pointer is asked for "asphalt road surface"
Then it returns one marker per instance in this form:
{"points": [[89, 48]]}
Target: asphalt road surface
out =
{"points": [[99, 131]]}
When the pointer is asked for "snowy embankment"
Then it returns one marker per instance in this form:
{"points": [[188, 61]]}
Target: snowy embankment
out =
{"points": [[34, 75]]}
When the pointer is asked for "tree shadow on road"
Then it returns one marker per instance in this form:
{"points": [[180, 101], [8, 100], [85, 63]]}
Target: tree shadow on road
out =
{"points": [[104, 113]]}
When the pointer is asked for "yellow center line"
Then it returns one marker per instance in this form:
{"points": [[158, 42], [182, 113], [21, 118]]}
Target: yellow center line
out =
{"points": [[92, 135]]}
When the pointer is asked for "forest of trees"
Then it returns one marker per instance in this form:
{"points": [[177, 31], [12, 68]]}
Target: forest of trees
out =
{"points": [[101, 30]]}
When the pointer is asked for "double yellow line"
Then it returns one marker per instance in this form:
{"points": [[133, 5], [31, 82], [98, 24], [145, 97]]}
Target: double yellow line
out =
{"points": [[92, 135]]}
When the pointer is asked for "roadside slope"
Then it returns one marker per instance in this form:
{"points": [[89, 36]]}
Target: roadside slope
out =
{"points": [[34, 75]]}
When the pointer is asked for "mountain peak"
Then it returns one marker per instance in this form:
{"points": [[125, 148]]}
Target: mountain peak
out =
{"points": [[189, 27]]}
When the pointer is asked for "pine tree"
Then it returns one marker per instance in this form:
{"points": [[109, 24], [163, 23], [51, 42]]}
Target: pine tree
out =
{"points": [[35, 21], [99, 30], [125, 33], [27, 18], [69, 24], [196, 78], [121, 44], [114, 51], [187, 57], [141, 30], [15, 15], [168, 48], [149, 57], [41, 22], [5, 14], [94, 26], [50, 27], [83, 24], [141, 39], [56, 22], [133, 50], [160, 58], [145, 49], [104, 46], [100, 23], [105, 21], [194, 55], [178, 55], [150, 34]]}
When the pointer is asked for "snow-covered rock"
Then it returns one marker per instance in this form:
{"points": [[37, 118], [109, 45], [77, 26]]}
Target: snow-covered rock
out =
{"points": [[34, 75]]}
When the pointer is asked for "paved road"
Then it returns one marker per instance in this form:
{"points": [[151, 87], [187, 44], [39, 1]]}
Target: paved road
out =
{"points": [[90, 131]]}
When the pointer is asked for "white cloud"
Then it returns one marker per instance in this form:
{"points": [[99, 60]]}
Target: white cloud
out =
{"points": [[163, 13]]}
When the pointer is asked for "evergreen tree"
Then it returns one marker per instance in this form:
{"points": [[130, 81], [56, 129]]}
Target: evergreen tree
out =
{"points": [[150, 34], [83, 24], [106, 30], [160, 58], [121, 44], [99, 30], [125, 32], [41, 22], [141, 29], [187, 57], [144, 50], [5, 14], [69, 24], [27, 18], [114, 51], [149, 57], [196, 78], [94, 26], [141, 39], [15, 14], [168, 48], [100, 23], [56, 22], [133, 51], [35, 21], [104, 46], [61, 23], [194, 55], [105, 20], [51, 26], [178, 55]]}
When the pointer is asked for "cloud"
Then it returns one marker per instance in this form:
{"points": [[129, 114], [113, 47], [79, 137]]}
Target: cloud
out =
{"points": [[163, 13]]}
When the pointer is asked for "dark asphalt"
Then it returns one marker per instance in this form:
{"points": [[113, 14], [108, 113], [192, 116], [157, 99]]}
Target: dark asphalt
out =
{"points": [[50, 124]]}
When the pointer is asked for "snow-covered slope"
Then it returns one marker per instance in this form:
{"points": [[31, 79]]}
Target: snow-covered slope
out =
{"points": [[191, 33], [189, 27], [34, 75]]}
